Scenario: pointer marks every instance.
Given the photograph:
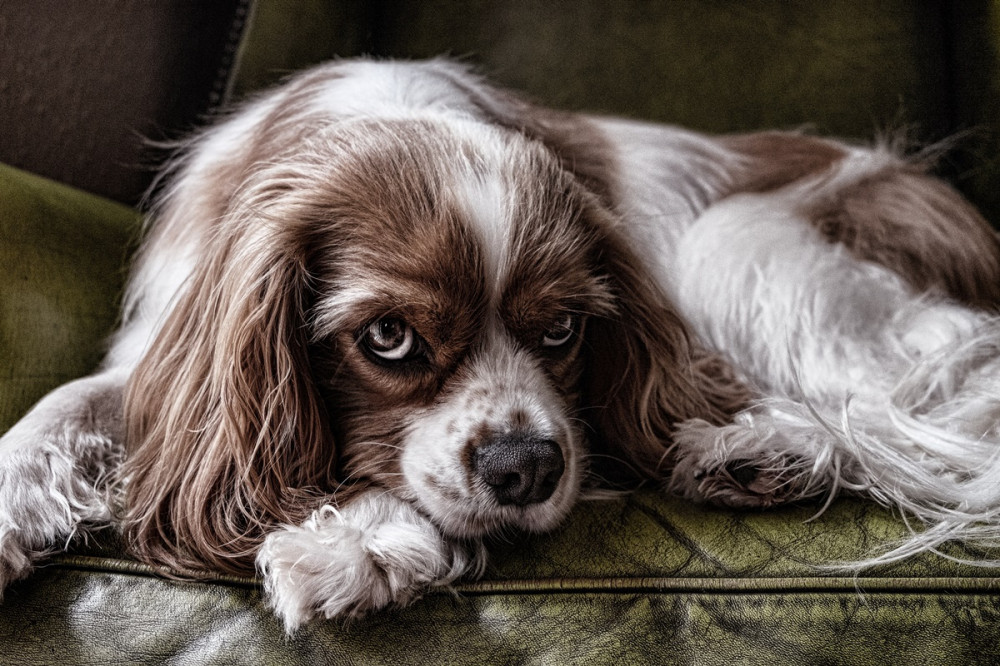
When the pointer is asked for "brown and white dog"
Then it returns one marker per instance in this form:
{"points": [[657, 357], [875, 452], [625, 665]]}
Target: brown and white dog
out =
{"points": [[388, 309]]}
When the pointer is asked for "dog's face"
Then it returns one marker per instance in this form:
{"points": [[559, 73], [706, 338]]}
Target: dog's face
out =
{"points": [[452, 307]]}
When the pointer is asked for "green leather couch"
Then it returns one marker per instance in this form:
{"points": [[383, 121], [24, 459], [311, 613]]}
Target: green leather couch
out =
{"points": [[641, 579]]}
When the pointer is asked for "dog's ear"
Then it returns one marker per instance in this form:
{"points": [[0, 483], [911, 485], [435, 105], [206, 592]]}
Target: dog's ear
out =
{"points": [[226, 428], [645, 375]]}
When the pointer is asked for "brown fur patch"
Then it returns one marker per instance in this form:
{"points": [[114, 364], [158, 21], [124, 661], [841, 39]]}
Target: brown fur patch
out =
{"points": [[220, 448], [919, 227], [580, 147], [900, 217], [775, 159], [555, 270]]}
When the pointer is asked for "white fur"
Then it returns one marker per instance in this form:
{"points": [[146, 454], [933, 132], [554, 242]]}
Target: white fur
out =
{"points": [[874, 388], [54, 469], [343, 563], [667, 176], [488, 210]]}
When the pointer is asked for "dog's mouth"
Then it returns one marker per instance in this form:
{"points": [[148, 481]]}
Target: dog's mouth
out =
{"points": [[477, 520]]}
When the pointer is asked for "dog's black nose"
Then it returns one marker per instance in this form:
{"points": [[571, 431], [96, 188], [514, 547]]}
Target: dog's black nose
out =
{"points": [[520, 469]]}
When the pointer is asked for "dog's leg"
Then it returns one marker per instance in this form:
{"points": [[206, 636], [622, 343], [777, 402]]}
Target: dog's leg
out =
{"points": [[54, 468], [930, 437], [928, 446], [378, 551], [871, 386]]}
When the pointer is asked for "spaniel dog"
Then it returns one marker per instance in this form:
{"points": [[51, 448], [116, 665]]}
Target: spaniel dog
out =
{"points": [[388, 309]]}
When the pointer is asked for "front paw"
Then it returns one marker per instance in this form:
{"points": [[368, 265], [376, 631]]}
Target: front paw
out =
{"points": [[46, 497], [375, 553]]}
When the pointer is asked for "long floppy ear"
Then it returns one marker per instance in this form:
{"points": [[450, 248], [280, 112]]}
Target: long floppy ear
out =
{"points": [[646, 375], [226, 428]]}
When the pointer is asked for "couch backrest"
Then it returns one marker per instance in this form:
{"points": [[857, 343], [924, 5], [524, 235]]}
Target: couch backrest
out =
{"points": [[82, 83], [85, 85]]}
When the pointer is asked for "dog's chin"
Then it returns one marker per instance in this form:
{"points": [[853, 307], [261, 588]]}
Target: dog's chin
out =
{"points": [[482, 516]]}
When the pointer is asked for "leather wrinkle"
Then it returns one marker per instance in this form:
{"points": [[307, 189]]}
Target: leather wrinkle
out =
{"points": [[680, 537]]}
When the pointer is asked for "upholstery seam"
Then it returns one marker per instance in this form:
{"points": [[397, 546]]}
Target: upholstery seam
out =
{"points": [[730, 585], [607, 585]]}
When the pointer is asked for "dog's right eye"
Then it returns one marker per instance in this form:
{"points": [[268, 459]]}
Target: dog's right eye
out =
{"points": [[390, 338]]}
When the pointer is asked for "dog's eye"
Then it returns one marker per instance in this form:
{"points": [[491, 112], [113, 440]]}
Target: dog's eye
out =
{"points": [[561, 333], [390, 338]]}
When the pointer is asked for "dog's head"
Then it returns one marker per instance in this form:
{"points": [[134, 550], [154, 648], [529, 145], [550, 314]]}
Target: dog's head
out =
{"points": [[440, 310], [458, 268]]}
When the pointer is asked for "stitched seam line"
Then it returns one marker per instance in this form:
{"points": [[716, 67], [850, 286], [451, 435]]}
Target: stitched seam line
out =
{"points": [[725, 585], [222, 84], [617, 585]]}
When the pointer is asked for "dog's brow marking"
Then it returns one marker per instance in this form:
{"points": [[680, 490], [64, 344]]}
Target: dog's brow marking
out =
{"points": [[488, 210], [335, 308]]}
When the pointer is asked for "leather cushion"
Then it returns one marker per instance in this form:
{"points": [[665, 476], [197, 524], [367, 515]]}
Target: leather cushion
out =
{"points": [[643, 579], [85, 85]]}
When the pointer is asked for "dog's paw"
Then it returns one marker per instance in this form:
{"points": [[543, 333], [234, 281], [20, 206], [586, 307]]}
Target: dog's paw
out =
{"points": [[745, 484], [375, 553], [733, 466], [45, 495], [15, 558], [55, 468]]}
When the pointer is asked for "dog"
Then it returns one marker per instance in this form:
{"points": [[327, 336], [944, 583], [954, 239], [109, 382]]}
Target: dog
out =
{"points": [[389, 309]]}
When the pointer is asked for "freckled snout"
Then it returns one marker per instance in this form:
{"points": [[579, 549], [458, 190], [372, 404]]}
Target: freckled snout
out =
{"points": [[520, 469]]}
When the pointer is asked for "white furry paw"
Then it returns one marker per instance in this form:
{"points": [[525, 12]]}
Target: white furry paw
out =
{"points": [[376, 552], [734, 466], [55, 464], [45, 496]]}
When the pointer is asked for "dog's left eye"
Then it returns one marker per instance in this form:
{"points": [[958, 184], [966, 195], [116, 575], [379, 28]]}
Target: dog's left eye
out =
{"points": [[562, 332], [390, 338]]}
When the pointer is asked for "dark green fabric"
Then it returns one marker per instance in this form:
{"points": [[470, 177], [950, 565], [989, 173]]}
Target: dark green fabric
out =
{"points": [[851, 68], [285, 36], [848, 66], [62, 254], [975, 77]]}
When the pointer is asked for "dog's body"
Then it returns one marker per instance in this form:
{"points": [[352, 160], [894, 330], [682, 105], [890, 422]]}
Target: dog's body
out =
{"points": [[387, 309]]}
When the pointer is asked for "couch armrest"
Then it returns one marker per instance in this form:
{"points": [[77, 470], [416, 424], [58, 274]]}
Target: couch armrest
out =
{"points": [[62, 253]]}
